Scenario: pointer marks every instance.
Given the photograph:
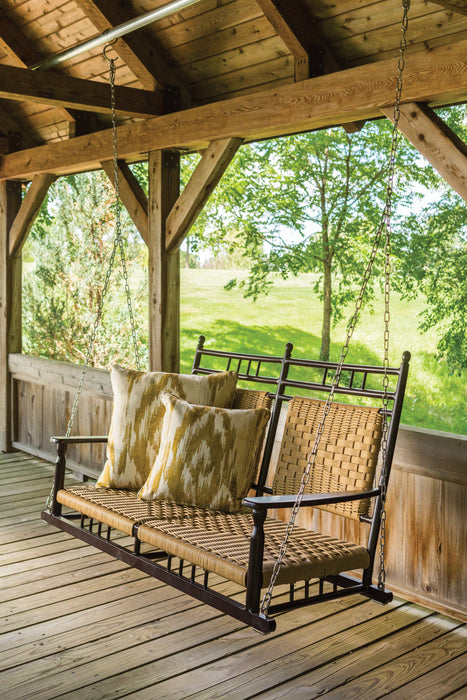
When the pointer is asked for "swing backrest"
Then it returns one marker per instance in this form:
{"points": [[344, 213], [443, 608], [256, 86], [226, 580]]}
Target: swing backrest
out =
{"points": [[349, 448], [347, 453]]}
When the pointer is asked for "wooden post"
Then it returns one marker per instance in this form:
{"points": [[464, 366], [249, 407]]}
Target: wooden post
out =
{"points": [[164, 268], [10, 305]]}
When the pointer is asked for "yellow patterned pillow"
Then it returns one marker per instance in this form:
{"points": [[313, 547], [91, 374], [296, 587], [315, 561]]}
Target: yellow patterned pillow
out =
{"points": [[138, 414], [207, 457]]}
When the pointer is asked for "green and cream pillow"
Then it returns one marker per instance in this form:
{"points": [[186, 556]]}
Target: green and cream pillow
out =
{"points": [[207, 456], [138, 413]]}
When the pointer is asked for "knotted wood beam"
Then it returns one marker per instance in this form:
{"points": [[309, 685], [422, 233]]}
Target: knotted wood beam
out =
{"points": [[435, 141], [132, 195], [204, 179], [28, 211]]}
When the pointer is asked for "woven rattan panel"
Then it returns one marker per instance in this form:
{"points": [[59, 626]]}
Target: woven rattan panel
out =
{"points": [[251, 398], [217, 542], [347, 453], [220, 542]]}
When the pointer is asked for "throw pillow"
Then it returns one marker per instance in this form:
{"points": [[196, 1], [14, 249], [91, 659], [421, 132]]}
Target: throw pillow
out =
{"points": [[207, 457], [138, 414]]}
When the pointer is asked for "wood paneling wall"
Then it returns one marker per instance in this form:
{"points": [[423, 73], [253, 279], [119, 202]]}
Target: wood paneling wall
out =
{"points": [[426, 525]]}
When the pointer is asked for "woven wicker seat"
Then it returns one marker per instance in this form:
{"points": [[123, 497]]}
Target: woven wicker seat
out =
{"points": [[215, 541]]}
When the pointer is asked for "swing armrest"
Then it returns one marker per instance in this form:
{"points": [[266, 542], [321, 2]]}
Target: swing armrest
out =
{"points": [[78, 439], [310, 500]]}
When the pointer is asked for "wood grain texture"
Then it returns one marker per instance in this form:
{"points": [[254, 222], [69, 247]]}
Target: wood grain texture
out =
{"points": [[435, 76], [10, 306], [454, 5], [208, 172], [137, 51], [436, 142], [76, 624], [49, 88], [132, 195], [164, 268]]}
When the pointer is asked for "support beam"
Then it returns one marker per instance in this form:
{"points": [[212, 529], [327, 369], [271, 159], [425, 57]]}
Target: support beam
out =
{"points": [[50, 88], [137, 52], [22, 53], [438, 76], [28, 211], [453, 5], [207, 174], [164, 268], [292, 23], [132, 195], [436, 142], [10, 306], [297, 29]]}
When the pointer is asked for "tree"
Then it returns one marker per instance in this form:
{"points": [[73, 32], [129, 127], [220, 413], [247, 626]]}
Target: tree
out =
{"points": [[310, 203], [435, 264], [70, 246], [433, 260]]}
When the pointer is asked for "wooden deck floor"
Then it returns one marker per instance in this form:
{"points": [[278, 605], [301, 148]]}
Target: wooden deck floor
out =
{"points": [[77, 624]]}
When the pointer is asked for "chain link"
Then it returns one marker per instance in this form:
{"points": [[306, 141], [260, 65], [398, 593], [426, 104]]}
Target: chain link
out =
{"points": [[117, 245], [384, 225], [118, 225]]}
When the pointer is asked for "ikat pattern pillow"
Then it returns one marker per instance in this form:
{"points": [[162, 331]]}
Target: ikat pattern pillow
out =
{"points": [[138, 413], [207, 457]]}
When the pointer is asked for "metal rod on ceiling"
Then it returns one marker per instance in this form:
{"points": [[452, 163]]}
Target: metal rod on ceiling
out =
{"points": [[109, 35]]}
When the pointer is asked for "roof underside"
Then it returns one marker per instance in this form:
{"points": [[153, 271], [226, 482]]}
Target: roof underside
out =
{"points": [[211, 51]]}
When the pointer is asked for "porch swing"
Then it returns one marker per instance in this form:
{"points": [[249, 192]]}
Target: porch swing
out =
{"points": [[327, 458]]}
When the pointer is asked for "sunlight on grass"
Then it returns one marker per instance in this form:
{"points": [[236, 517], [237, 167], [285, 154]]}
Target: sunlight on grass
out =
{"points": [[291, 313]]}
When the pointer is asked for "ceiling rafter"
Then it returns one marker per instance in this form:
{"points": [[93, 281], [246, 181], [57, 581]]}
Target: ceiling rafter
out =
{"points": [[297, 28], [454, 5], [438, 76], [47, 87], [9, 125], [139, 54], [433, 138], [21, 53]]}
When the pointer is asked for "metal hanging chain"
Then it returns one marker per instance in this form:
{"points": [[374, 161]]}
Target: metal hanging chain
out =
{"points": [[387, 274], [384, 225], [117, 244], [118, 225]]}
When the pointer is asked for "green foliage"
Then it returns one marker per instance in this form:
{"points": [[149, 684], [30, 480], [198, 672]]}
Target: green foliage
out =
{"points": [[433, 261], [435, 264], [308, 203], [69, 247], [291, 312]]}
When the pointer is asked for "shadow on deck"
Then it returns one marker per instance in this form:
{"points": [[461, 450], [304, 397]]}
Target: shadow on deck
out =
{"points": [[77, 624]]}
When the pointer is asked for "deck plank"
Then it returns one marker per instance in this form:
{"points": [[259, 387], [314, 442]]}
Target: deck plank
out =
{"points": [[357, 659], [78, 624]]}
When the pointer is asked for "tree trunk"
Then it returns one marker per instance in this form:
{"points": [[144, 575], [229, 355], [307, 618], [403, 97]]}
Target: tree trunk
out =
{"points": [[326, 329]]}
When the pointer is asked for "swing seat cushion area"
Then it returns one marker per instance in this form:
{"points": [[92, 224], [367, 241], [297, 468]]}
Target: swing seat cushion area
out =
{"points": [[138, 413], [207, 456], [217, 542]]}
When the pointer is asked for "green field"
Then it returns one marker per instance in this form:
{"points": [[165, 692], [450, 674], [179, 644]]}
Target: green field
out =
{"points": [[291, 312]]}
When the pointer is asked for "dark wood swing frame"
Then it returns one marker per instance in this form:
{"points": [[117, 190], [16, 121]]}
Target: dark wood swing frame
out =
{"points": [[251, 369]]}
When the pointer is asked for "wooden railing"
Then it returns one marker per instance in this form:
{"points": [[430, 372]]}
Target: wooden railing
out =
{"points": [[426, 539]]}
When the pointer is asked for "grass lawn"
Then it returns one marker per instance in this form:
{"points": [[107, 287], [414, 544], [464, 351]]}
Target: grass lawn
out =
{"points": [[291, 312]]}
